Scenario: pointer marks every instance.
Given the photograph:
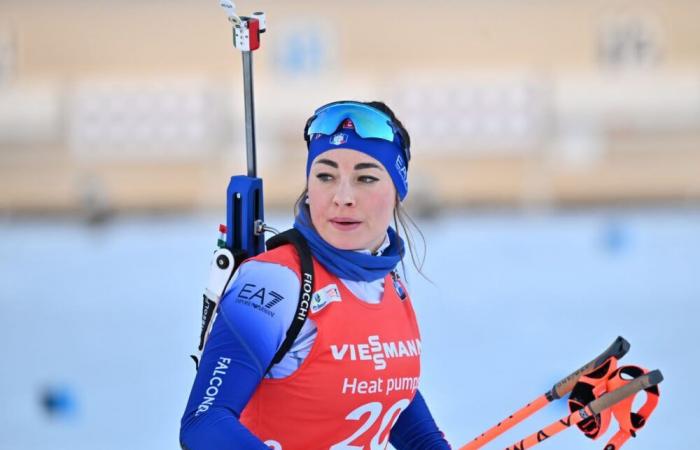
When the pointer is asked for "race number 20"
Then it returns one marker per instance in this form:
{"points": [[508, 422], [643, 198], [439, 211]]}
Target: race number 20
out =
{"points": [[374, 409]]}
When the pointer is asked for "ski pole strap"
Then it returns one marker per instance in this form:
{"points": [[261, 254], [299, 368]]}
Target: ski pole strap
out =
{"points": [[614, 352], [596, 407], [605, 381], [630, 421], [589, 387], [294, 237], [610, 392]]}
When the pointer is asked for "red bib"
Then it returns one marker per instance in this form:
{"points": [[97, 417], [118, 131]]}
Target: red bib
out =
{"points": [[362, 371]]}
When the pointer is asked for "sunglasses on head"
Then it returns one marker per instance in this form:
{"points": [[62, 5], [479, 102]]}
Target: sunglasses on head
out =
{"points": [[368, 122]]}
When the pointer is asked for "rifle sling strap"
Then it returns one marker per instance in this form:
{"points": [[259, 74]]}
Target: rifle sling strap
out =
{"points": [[294, 237]]}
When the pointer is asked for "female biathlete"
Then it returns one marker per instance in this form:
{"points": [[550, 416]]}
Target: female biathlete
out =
{"points": [[350, 379]]}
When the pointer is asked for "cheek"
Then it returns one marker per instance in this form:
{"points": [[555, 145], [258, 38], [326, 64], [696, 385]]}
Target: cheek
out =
{"points": [[317, 202], [316, 212], [383, 206], [316, 190]]}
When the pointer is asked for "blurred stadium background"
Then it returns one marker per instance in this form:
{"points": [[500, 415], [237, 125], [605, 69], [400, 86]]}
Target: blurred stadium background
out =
{"points": [[552, 136], [137, 105]]}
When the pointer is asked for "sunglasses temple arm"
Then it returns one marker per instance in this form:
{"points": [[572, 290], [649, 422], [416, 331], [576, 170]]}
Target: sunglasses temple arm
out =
{"points": [[593, 408], [617, 349]]}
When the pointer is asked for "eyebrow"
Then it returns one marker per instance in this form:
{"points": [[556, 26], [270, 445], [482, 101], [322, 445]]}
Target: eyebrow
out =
{"points": [[361, 166], [328, 162], [358, 166]]}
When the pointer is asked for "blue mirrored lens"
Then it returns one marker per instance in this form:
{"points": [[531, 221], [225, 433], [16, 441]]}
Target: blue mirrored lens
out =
{"points": [[369, 123]]}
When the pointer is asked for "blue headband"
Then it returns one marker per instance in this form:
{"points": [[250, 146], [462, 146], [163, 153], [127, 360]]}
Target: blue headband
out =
{"points": [[389, 154]]}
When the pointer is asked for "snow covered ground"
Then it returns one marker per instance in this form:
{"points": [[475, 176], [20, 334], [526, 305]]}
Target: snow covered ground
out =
{"points": [[99, 321]]}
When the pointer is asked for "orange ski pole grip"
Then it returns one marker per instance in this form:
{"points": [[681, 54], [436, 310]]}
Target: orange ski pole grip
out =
{"points": [[595, 407], [617, 350]]}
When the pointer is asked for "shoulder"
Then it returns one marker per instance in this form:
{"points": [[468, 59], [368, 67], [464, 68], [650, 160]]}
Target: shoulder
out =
{"points": [[261, 300], [268, 273], [278, 268], [284, 255]]}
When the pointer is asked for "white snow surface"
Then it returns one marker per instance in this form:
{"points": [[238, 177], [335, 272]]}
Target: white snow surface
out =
{"points": [[110, 313]]}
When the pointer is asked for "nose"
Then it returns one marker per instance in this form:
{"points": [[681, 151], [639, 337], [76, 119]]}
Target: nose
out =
{"points": [[344, 195]]}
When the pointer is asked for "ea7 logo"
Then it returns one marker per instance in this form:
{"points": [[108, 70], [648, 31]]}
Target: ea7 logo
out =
{"points": [[403, 170], [258, 297]]}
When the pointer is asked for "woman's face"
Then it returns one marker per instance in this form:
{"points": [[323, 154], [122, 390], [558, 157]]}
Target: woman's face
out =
{"points": [[351, 199]]}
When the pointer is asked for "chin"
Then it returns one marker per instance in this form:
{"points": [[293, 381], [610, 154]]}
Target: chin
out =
{"points": [[345, 242]]}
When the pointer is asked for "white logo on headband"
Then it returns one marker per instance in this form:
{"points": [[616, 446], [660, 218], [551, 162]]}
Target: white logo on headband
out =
{"points": [[339, 139], [401, 167]]}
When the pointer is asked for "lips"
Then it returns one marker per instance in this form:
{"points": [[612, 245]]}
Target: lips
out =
{"points": [[345, 223]]}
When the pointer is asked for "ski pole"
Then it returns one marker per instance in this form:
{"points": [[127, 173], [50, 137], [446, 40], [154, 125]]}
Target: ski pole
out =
{"points": [[617, 350], [592, 409]]}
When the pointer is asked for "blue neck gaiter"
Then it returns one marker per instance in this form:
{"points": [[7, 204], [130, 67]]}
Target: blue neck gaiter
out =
{"points": [[349, 264]]}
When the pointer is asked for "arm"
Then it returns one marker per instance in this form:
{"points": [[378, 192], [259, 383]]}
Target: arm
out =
{"points": [[416, 430], [244, 338]]}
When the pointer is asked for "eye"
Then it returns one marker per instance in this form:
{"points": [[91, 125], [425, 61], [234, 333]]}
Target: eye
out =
{"points": [[324, 177], [367, 179]]}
